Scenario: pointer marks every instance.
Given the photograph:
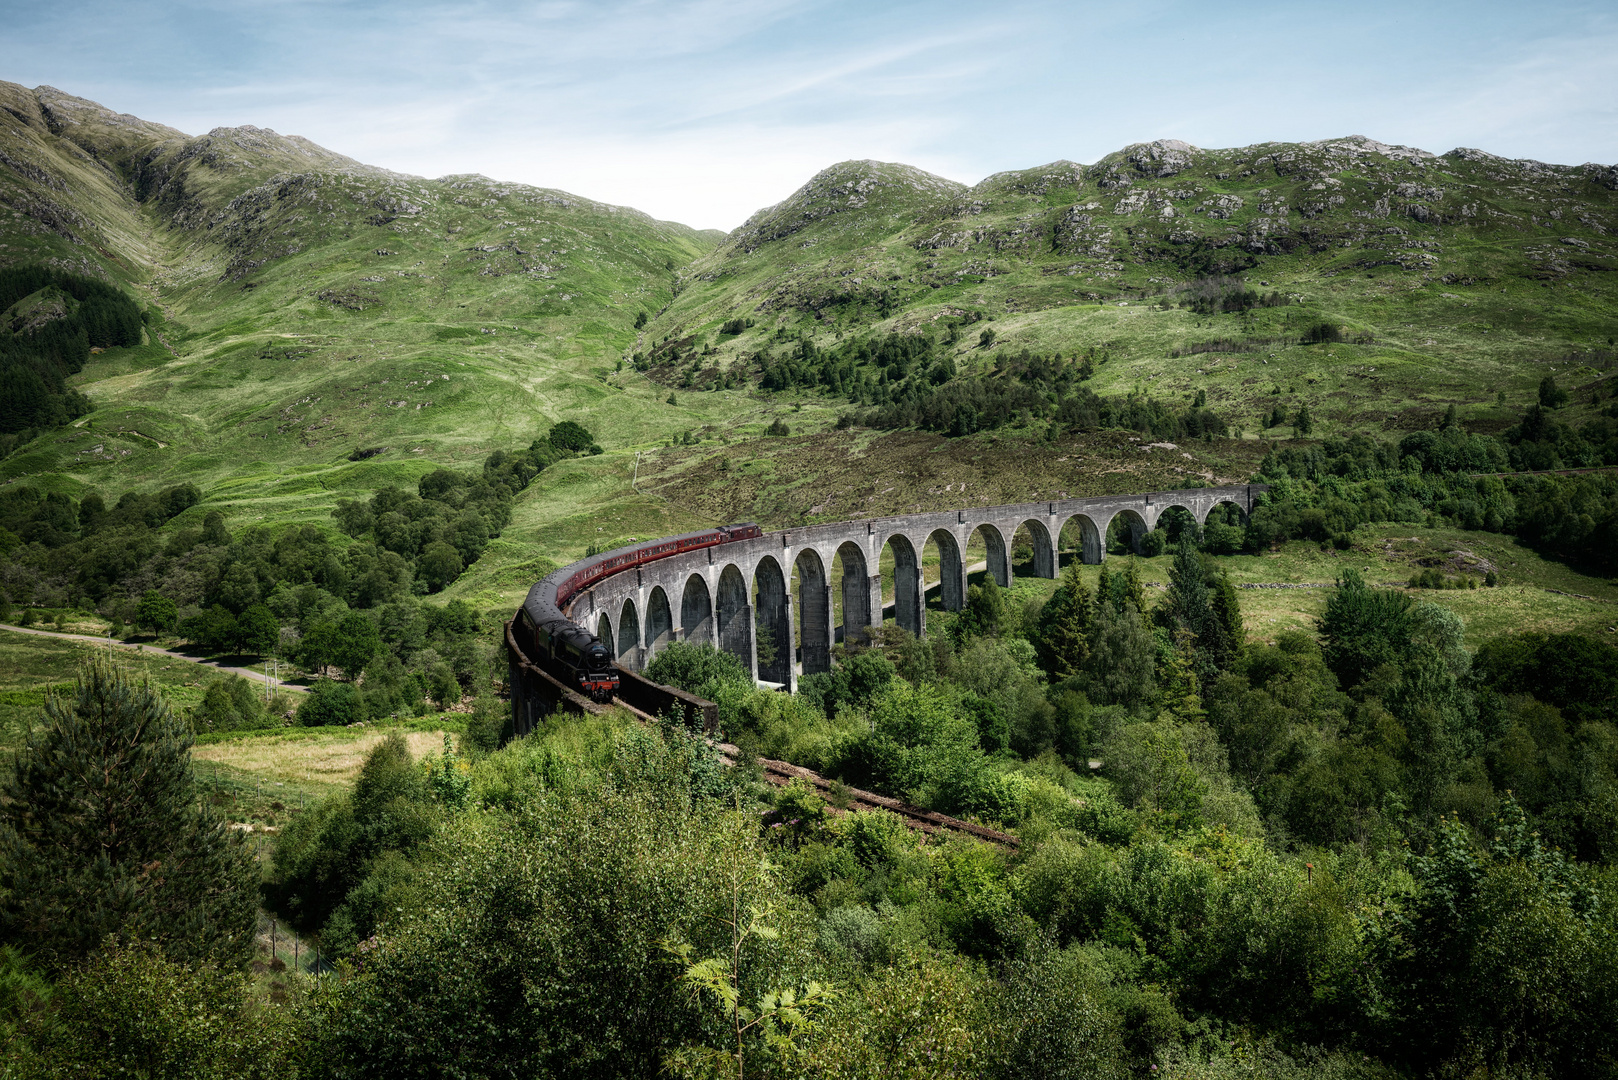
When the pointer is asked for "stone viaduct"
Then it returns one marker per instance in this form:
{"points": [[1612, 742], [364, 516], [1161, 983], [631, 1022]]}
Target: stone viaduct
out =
{"points": [[718, 595]]}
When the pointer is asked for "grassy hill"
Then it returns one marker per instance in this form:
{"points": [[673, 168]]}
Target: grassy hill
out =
{"points": [[1463, 277], [302, 305]]}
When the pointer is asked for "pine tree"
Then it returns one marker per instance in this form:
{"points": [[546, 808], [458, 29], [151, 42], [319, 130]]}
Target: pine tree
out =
{"points": [[1134, 591], [1182, 691], [1063, 633], [985, 608], [102, 833], [1189, 606], [1228, 611]]}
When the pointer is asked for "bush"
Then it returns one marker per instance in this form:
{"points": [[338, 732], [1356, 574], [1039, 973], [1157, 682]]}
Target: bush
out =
{"points": [[551, 934], [490, 726], [569, 435], [856, 682], [697, 669], [344, 866], [330, 704], [231, 704], [133, 1012], [1221, 539]]}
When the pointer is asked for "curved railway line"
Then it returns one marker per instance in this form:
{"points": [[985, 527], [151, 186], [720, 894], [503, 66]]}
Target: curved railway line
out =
{"points": [[700, 587], [779, 773]]}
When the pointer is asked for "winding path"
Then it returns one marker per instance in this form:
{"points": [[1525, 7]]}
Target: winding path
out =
{"points": [[246, 673]]}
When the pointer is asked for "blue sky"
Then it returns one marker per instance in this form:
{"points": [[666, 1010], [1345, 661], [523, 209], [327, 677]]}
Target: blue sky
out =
{"points": [[702, 111]]}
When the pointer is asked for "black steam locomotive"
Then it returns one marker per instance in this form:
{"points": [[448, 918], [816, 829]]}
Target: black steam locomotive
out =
{"points": [[574, 654]]}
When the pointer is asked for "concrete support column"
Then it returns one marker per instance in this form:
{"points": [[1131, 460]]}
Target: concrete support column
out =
{"points": [[952, 576], [1045, 558], [997, 553], [857, 602], [909, 601], [752, 643], [817, 627], [787, 650], [774, 617], [733, 616], [874, 604], [1092, 544], [738, 639]]}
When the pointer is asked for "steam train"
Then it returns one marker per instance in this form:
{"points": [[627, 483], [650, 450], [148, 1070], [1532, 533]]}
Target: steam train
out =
{"points": [[575, 655]]}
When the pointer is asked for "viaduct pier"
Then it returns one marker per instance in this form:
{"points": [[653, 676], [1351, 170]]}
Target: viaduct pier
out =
{"points": [[718, 595]]}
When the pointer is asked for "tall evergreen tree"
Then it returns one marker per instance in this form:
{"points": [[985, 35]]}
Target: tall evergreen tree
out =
{"points": [[1063, 632], [102, 833], [985, 608], [1228, 610], [1191, 606], [1104, 590], [1134, 589], [1363, 628], [1123, 660]]}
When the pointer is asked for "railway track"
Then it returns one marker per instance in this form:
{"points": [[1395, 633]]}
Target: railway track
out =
{"points": [[842, 799]]}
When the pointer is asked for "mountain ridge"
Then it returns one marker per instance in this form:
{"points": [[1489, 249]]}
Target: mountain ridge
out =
{"points": [[304, 307]]}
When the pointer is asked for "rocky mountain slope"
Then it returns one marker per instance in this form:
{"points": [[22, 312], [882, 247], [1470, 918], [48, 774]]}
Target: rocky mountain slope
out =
{"points": [[1459, 278], [302, 305], [1158, 214]]}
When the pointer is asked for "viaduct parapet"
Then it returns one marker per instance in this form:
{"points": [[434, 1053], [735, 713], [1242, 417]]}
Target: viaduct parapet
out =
{"points": [[719, 595]]}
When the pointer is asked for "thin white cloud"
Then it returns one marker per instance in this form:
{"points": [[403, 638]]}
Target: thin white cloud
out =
{"points": [[705, 110]]}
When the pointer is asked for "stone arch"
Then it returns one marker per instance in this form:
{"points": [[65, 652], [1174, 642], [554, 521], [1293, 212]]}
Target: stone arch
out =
{"points": [[696, 611], [951, 568], [908, 596], [734, 618], [604, 633], [858, 609], [1219, 508], [1131, 524], [659, 622], [629, 636], [1044, 562], [997, 552], [814, 612], [1091, 547], [1174, 519], [774, 617]]}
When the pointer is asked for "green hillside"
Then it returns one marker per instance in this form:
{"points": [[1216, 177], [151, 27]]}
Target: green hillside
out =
{"points": [[301, 306], [1454, 279]]}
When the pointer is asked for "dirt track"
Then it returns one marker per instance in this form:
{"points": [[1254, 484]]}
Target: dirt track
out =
{"points": [[246, 673]]}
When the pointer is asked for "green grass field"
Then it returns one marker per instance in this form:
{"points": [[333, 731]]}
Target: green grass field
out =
{"points": [[32, 666], [302, 305]]}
